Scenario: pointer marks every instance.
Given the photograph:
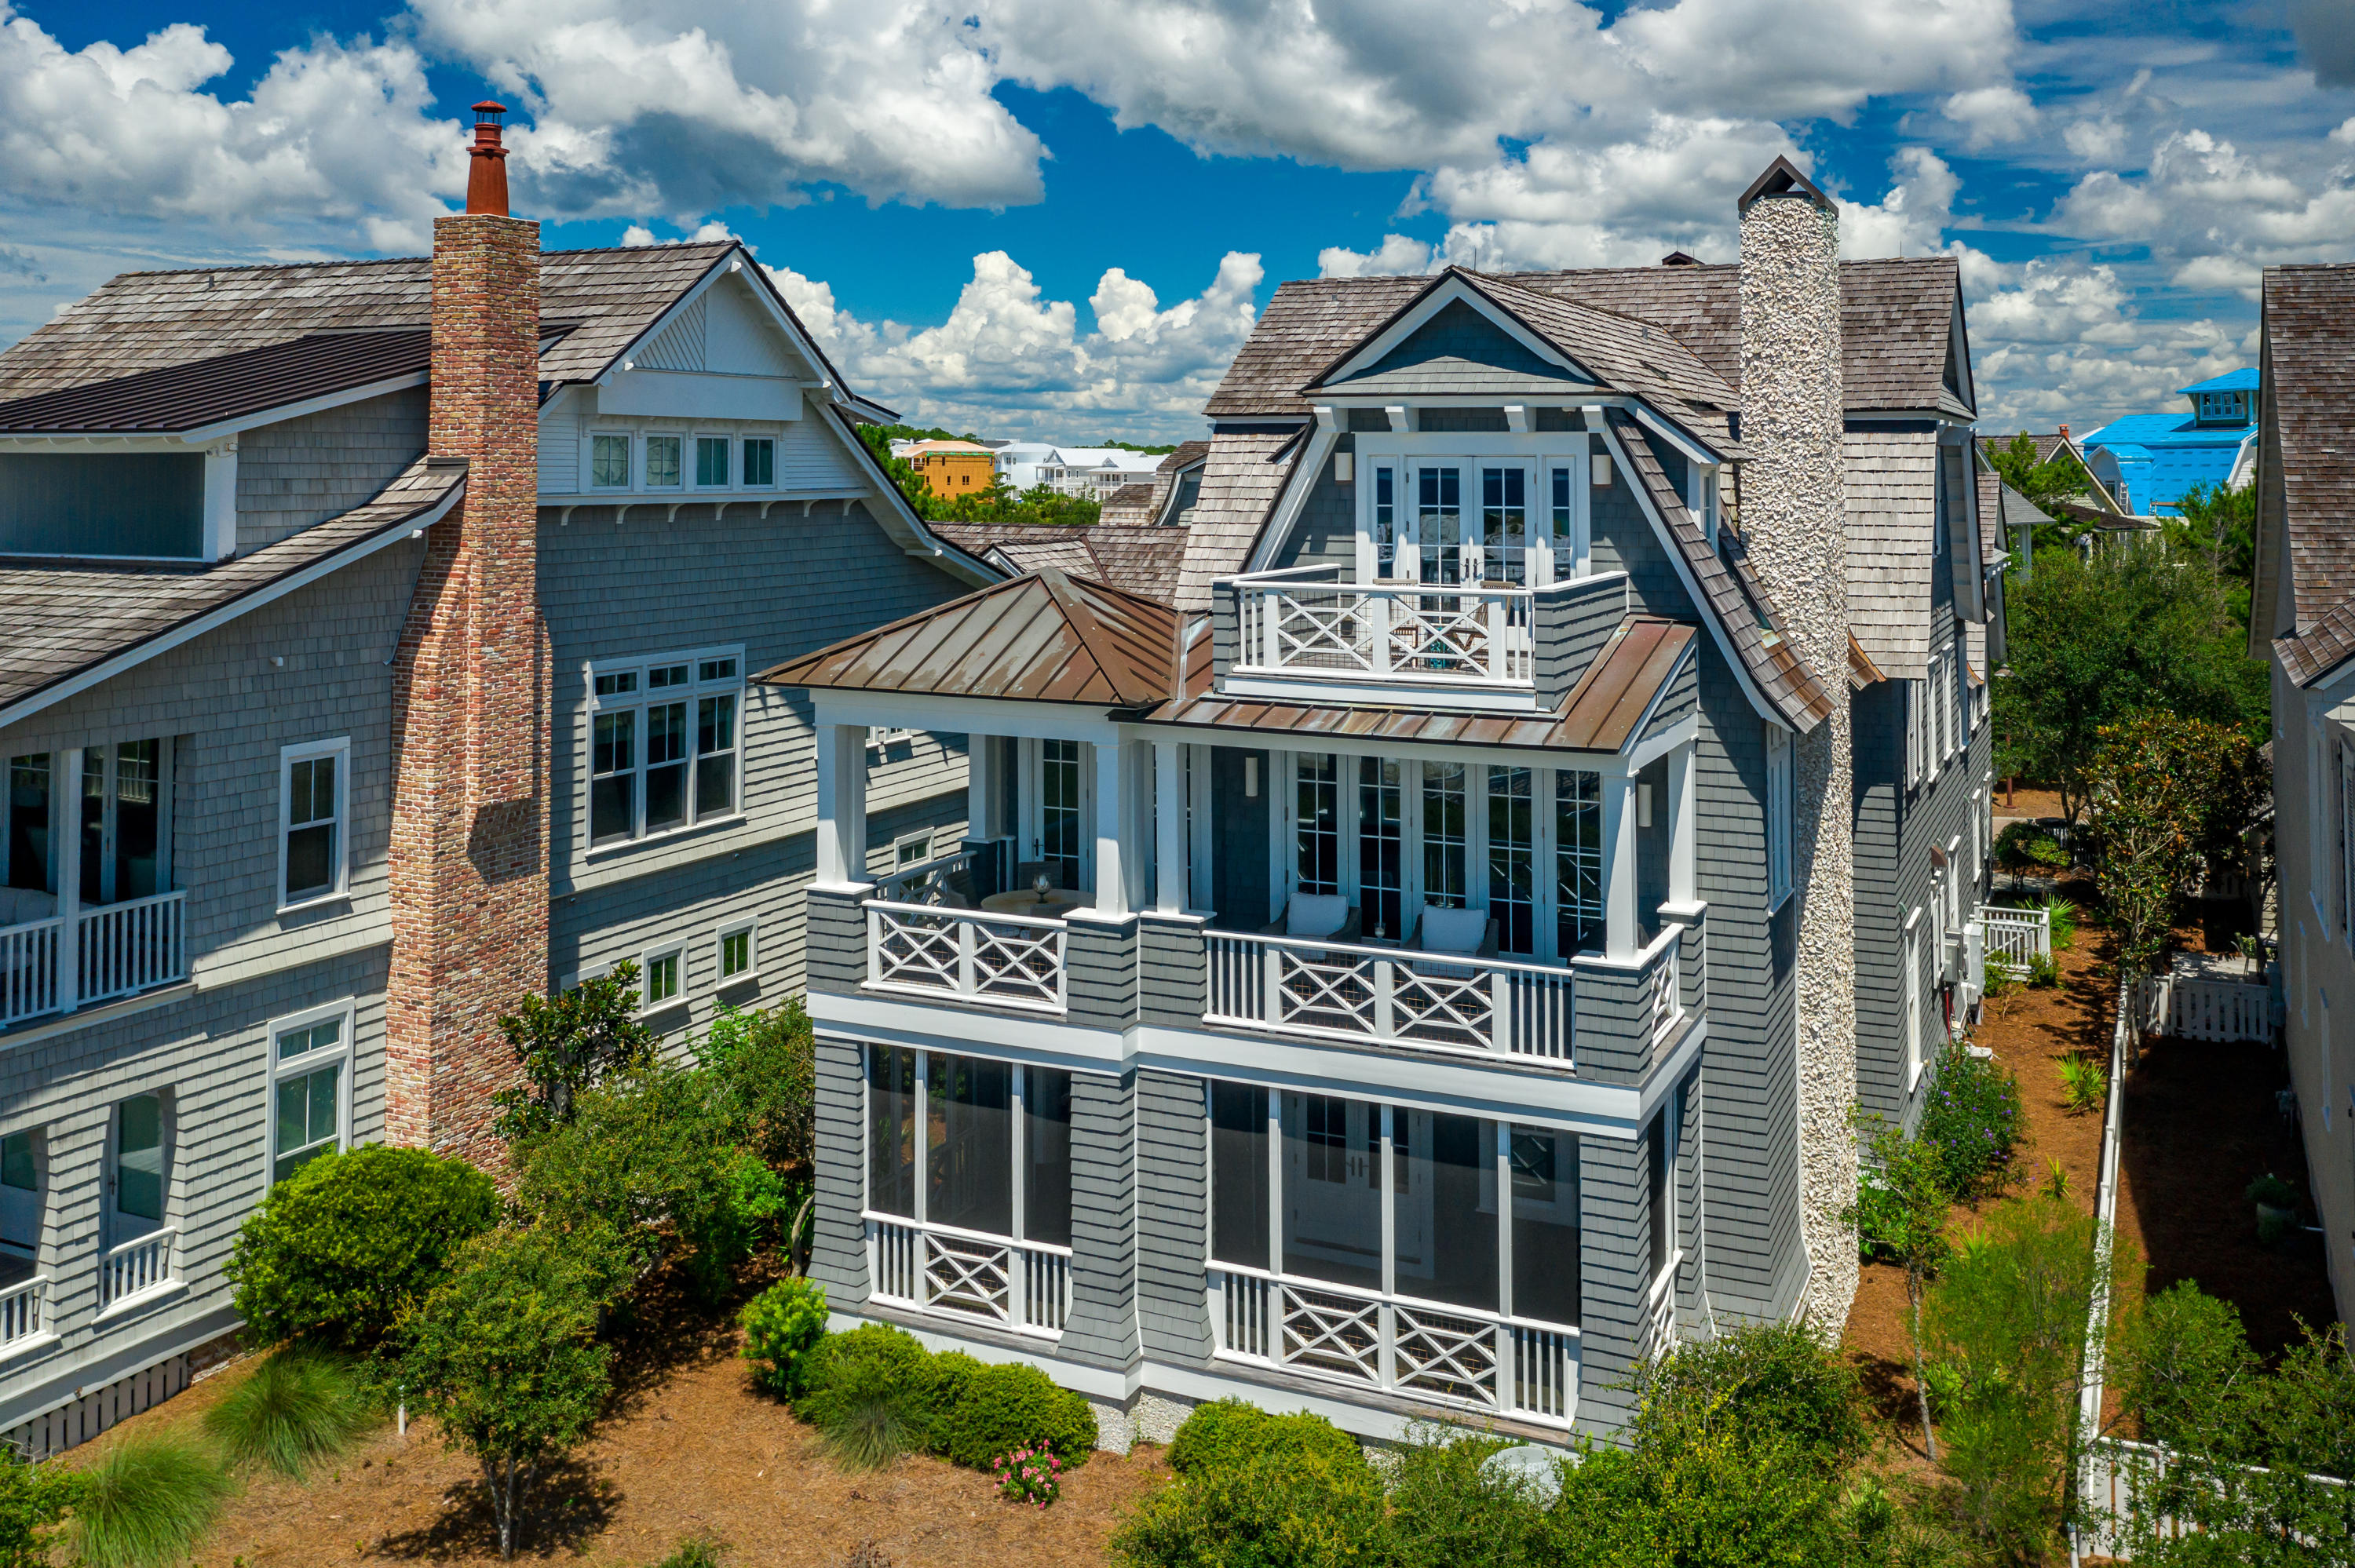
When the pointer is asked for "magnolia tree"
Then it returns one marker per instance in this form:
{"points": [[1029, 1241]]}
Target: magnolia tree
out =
{"points": [[569, 1043], [2173, 798]]}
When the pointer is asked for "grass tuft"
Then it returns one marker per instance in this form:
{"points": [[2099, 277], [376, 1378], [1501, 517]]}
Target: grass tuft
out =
{"points": [[696, 1551], [146, 1503], [873, 1426], [300, 1406]]}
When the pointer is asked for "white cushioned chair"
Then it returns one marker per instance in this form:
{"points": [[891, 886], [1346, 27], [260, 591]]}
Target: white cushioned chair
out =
{"points": [[1460, 933], [1327, 914]]}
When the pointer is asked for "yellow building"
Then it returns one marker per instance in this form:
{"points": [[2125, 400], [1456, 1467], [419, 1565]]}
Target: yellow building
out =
{"points": [[951, 467]]}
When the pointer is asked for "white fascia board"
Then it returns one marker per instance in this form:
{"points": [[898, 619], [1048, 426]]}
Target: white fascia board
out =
{"points": [[1423, 310], [1568, 398], [179, 440], [966, 715], [1294, 496], [220, 616], [1610, 765], [1643, 752], [1701, 606], [1691, 446], [1033, 1037]]}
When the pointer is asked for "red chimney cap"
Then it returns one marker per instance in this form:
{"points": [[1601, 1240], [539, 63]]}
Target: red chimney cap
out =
{"points": [[488, 113], [2064, 432], [486, 173]]}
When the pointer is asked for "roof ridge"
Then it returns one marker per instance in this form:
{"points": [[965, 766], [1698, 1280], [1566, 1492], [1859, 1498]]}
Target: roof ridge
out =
{"points": [[400, 260]]}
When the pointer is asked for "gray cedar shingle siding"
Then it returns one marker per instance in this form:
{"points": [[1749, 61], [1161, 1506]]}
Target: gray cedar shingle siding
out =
{"points": [[1571, 626], [1173, 1198], [838, 1247], [1893, 477], [1240, 480], [297, 472], [1327, 531], [2307, 495], [1103, 1329], [1615, 1210]]}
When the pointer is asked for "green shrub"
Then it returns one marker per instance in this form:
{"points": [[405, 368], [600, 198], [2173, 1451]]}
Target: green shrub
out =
{"points": [[1015, 1405], [782, 1326], [2085, 1085], [34, 1500], [2271, 1192], [146, 1502], [1280, 1512], [2064, 921], [1230, 1432], [949, 1374], [2043, 971], [765, 1063], [1778, 1380], [697, 1552], [339, 1250], [870, 1395], [1446, 1512], [299, 1406], [1973, 1115]]}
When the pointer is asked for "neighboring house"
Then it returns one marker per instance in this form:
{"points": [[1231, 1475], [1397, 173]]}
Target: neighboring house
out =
{"points": [[2144, 462], [379, 635], [1143, 557], [1098, 471], [2303, 619], [2060, 444], [1477, 888], [949, 468], [1018, 462], [1130, 504]]}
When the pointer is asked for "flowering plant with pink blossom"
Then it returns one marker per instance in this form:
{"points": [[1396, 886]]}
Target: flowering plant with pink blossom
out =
{"points": [[1030, 1475]]}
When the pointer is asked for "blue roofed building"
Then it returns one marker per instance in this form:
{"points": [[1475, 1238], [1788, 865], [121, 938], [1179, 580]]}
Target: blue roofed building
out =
{"points": [[2147, 462]]}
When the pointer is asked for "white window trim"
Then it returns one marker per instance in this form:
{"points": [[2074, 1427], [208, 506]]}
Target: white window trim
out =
{"points": [[1537, 453], [693, 463], [751, 931], [344, 1012], [646, 461], [1913, 994], [747, 438], [1782, 814], [589, 462], [340, 748], [641, 699], [921, 841], [646, 958]]}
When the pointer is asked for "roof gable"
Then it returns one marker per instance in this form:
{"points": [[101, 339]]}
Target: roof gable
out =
{"points": [[1456, 349]]}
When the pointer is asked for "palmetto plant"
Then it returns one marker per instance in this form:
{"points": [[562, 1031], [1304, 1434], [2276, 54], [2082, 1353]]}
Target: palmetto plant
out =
{"points": [[2085, 1085]]}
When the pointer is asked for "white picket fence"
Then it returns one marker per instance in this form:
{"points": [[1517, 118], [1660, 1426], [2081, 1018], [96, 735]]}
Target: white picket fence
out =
{"points": [[2018, 935]]}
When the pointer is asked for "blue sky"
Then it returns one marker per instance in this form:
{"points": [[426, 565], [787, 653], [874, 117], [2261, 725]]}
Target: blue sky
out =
{"points": [[1058, 216]]}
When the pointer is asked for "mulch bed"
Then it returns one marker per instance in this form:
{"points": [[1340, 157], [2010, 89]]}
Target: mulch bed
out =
{"points": [[692, 1449]]}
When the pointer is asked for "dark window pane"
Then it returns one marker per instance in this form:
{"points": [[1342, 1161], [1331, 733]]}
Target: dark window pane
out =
{"points": [[138, 791], [665, 797], [610, 801], [28, 821], [969, 1144], [16, 1162], [1545, 1225], [760, 463], [715, 724], [711, 459], [1047, 1140], [1655, 1151], [1332, 1190], [310, 861], [891, 1132], [715, 785], [1445, 1235], [1239, 1174], [615, 747], [139, 1157]]}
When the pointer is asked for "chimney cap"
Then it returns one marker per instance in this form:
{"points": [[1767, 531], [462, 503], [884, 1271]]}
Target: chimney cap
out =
{"points": [[489, 113], [1678, 258], [1783, 178]]}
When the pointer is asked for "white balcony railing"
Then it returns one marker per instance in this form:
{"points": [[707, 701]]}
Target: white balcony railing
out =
{"points": [[938, 1269], [1453, 1354], [137, 1268], [114, 950], [24, 1311], [1383, 631], [29, 970], [131, 945], [2018, 935], [1303, 986], [1007, 960]]}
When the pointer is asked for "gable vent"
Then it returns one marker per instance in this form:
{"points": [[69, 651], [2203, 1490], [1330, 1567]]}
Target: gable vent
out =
{"points": [[680, 344]]}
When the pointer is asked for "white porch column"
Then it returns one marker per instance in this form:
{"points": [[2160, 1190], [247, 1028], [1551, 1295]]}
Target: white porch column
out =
{"points": [[1683, 827], [1621, 938], [1113, 789], [1168, 828], [64, 814], [983, 788], [841, 805]]}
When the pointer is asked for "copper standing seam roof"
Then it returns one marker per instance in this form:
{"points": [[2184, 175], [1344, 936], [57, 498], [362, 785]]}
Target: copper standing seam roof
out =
{"points": [[1050, 637], [202, 392], [1642, 657], [1862, 671]]}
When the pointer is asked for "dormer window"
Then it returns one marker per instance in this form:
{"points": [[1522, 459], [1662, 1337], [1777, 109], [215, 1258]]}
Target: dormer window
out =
{"points": [[2222, 408], [1526, 494]]}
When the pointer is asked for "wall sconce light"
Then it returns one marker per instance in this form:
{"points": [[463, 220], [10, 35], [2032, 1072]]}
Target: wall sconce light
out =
{"points": [[1250, 778]]}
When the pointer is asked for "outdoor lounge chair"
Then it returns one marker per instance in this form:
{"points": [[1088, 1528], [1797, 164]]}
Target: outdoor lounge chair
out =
{"points": [[1462, 932]]}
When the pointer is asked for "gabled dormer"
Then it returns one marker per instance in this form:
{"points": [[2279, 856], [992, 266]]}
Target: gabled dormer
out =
{"points": [[2223, 402]]}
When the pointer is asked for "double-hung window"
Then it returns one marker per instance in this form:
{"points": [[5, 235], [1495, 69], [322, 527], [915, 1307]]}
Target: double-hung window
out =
{"points": [[313, 810], [662, 977], [1780, 811], [662, 462], [609, 462], [663, 743], [738, 953], [310, 1087], [711, 460]]}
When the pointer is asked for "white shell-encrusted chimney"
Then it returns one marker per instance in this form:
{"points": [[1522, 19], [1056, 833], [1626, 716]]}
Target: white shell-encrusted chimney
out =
{"points": [[1795, 524]]}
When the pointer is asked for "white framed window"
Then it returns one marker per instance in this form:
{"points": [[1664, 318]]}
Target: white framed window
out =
{"points": [[1780, 811], [662, 977], [310, 1087], [21, 1208], [663, 743], [139, 1166], [912, 848], [1493, 507], [1912, 1000], [609, 460], [663, 461], [759, 467], [712, 464], [313, 816], [1958, 700], [881, 741], [2347, 843], [738, 949]]}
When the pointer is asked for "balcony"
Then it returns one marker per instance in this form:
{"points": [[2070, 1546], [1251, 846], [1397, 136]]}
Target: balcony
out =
{"points": [[134, 1270], [23, 1309], [83, 955], [1026, 1285]]}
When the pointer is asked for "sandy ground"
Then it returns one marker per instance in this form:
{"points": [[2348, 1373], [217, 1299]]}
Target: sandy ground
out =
{"points": [[696, 1450]]}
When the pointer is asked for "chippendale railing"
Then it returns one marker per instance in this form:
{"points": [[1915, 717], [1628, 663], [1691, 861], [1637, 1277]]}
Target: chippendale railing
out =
{"points": [[1452, 1354], [1303, 986], [1007, 960], [1454, 633], [939, 1269]]}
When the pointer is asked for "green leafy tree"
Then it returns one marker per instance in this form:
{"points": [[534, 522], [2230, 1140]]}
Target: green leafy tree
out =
{"points": [[2220, 524], [340, 1249], [764, 1065], [2169, 794], [1901, 1214], [2056, 479], [1133, 447], [503, 1357], [2092, 641], [1000, 502], [571, 1043], [34, 1501]]}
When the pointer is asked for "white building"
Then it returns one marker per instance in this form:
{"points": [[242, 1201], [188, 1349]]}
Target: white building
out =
{"points": [[1094, 472]]}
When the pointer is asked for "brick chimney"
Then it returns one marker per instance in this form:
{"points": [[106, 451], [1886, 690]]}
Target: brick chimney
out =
{"points": [[469, 857], [1794, 522]]}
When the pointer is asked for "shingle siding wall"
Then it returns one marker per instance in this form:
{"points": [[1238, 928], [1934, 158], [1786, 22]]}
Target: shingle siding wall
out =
{"points": [[1325, 532], [1103, 1329], [1615, 1210], [838, 1247], [1173, 1196], [300, 472]]}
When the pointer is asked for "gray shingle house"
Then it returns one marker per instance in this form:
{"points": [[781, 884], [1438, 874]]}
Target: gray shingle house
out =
{"points": [[331, 587], [1418, 956]]}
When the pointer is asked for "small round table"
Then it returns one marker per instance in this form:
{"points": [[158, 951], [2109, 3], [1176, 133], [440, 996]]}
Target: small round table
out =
{"points": [[1025, 901]]}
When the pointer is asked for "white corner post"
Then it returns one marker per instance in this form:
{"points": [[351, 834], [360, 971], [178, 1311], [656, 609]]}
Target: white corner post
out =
{"points": [[1169, 827], [221, 499], [1620, 937], [841, 805], [1113, 809], [1683, 883], [982, 787], [64, 814]]}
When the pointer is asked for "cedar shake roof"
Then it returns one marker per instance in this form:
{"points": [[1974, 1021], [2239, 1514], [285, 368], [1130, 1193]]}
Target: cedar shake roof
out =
{"points": [[1603, 712], [2306, 468], [1731, 593], [1138, 557], [1131, 503], [1049, 637], [1246, 472], [1862, 671], [67, 618], [1896, 323], [604, 300], [202, 392]]}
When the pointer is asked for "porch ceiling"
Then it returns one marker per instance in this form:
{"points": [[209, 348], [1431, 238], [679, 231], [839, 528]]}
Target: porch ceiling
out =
{"points": [[1602, 713]]}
